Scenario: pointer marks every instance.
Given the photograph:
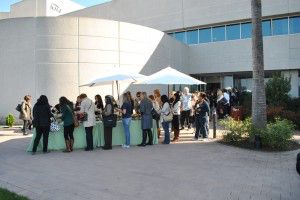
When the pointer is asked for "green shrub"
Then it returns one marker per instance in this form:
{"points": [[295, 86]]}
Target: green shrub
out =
{"points": [[277, 89], [278, 134], [236, 130], [245, 101], [274, 112], [10, 120]]}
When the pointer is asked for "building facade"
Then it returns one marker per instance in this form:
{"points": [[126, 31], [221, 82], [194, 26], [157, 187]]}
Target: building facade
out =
{"points": [[40, 8], [56, 55], [218, 35]]}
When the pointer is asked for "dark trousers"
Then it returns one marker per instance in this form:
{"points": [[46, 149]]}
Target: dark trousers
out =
{"points": [[89, 138], [175, 122], [41, 130], [201, 127], [185, 117], [108, 137], [150, 136], [68, 132], [26, 124]]}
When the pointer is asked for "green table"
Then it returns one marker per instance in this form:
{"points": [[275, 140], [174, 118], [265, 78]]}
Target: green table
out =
{"points": [[57, 142]]}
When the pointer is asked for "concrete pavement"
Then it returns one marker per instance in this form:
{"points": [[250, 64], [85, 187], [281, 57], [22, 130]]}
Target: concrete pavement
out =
{"points": [[190, 170]]}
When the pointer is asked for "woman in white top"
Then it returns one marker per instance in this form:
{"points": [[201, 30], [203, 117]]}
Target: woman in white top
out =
{"points": [[165, 112], [87, 106], [176, 116]]}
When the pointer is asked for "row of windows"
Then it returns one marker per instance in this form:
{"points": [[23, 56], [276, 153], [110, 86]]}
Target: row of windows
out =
{"points": [[287, 25]]}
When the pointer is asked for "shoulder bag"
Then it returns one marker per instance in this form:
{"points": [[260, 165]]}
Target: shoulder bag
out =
{"points": [[84, 117], [154, 114], [110, 120]]}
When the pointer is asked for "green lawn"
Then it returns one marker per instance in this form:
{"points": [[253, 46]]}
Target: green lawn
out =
{"points": [[7, 195]]}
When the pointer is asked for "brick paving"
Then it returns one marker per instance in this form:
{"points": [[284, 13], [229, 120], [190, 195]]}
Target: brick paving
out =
{"points": [[189, 170]]}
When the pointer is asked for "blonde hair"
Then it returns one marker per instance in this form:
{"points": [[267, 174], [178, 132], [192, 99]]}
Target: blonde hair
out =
{"points": [[156, 92]]}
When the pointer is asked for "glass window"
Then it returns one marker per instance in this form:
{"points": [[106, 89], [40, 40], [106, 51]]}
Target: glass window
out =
{"points": [[181, 36], [192, 37], [280, 26], [246, 30], [266, 28], [205, 35], [294, 25], [218, 33], [233, 32]]}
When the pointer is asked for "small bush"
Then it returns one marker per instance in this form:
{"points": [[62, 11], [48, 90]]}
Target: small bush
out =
{"points": [[277, 89], [236, 130], [245, 101], [278, 134], [10, 120], [279, 112]]}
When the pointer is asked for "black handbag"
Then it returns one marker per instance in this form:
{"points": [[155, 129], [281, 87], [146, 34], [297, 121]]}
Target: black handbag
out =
{"points": [[110, 120], [154, 114]]}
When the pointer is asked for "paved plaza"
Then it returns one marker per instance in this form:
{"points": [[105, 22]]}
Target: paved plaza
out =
{"points": [[190, 170]]}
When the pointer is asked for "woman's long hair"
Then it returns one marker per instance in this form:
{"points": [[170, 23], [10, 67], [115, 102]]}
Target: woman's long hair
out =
{"points": [[164, 98], [43, 100], [63, 101], [108, 99], [126, 98], [177, 97], [99, 102]]}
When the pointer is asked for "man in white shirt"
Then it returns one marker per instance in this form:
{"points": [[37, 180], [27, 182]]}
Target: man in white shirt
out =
{"points": [[87, 106], [226, 95], [186, 106]]}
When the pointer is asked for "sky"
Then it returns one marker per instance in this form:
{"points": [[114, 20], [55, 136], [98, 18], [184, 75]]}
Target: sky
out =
{"points": [[5, 4]]}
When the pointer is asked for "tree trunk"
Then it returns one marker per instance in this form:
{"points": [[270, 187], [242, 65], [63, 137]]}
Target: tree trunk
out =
{"points": [[259, 117]]}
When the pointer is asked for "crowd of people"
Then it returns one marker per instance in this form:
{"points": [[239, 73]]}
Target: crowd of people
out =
{"points": [[172, 112]]}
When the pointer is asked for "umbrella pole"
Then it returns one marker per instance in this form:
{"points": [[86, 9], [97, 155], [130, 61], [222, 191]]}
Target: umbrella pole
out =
{"points": [[168, 91], [118, 90]]}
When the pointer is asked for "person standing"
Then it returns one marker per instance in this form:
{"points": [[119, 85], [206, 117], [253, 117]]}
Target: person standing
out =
{"points": [[146, 120], [26, 114], [41, 121], [157, 96], [126, 110], [67, 112], [222, 105], [165, 111], [186, 106], [87, 106], [156, 107], [98, 104], [202, 110], [176, 116], [131, 100], [108, 111], [137, 103]]}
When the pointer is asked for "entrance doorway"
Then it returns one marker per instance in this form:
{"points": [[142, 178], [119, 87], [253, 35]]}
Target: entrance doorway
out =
{"points": [[213, 87]]}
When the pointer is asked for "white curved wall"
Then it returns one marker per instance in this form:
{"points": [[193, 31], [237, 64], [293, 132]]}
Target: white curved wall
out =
{"points": [[53, 56]]}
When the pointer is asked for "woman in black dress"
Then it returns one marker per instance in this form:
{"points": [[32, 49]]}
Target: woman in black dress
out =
{"points": [[41, 121]]}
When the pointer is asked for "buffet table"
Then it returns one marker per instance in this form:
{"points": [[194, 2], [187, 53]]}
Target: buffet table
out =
{"points": [[57, 142]]}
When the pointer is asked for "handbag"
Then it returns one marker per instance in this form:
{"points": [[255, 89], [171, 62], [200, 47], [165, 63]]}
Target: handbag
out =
{"points": [[54, 126], [168, 118], [84, 116], [110, 120], [154, 114]]}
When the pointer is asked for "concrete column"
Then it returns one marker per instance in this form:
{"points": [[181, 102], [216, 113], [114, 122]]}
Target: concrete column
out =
{"points": [[228, 81], [294, 75]]}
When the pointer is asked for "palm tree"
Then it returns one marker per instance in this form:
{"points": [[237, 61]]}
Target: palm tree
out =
{"points": [[259, 117]]}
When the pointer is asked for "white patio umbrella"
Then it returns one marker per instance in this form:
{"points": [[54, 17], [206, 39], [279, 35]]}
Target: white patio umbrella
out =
{"points": [[115, 75], [169, 76]]}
